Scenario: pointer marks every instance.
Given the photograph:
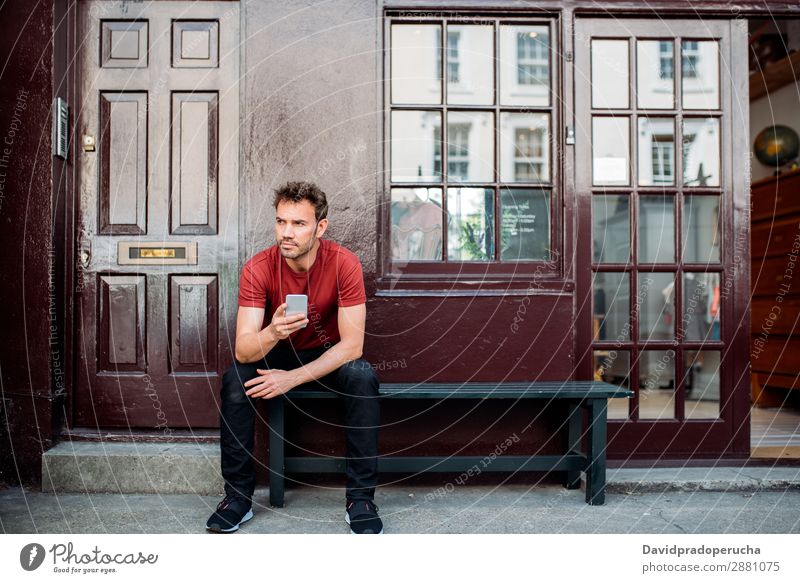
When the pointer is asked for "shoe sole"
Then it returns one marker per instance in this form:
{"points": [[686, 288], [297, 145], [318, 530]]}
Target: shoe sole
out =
{"points": [[347, 520], [234, 528]]}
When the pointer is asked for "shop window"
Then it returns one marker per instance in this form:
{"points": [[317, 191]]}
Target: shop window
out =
{"points": [[471, 177]]}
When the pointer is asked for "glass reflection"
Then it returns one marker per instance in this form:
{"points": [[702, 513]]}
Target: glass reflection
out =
{"points": [[610, 150], [415, 142], [470, 225], [611, 228], [524, 224], [610, 75], [470, 147], [656, 300], [611, 306], [416, 224], [416, 63], [656, 229], [524, 147], [700, 71], [655, 74], [701, 229], [470, 64], [657, 384], [524, 65], [613, 366], [656, 151], [701, 151], [701, 306], [701, 384]]}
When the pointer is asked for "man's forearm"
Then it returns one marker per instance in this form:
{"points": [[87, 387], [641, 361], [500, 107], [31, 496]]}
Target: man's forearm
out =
{"points": [[254, 347], [331, 359]]}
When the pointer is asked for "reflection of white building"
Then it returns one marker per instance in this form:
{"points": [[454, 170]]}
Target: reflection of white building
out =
{"points": [[701, 148]]}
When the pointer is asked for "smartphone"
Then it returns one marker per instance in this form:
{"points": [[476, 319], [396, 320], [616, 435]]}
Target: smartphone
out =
{"points": [[297, 304]]}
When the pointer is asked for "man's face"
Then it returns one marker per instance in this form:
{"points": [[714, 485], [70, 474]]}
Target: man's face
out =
{"points": [[296, 228]]}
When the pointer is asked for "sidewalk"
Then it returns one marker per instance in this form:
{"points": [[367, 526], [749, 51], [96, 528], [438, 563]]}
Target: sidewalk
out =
{"points": [[688, 500]]}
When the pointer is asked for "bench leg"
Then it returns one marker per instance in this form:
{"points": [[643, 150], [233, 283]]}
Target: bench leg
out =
{"points": [[276, 465], [596, 456], [572, 478]]}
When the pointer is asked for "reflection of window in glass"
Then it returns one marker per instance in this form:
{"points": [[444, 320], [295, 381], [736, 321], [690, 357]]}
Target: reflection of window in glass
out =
{"points": [[690, 59], [529, 154], [532, 59], [453, 63], [416, 215], [457, 151], [662, 159], [666, 60], [656, 151]]}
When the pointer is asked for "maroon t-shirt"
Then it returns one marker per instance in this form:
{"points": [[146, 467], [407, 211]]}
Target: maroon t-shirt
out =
{"points": [[335, 280]]}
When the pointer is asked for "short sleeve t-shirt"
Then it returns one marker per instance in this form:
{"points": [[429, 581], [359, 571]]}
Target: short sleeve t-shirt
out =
{"points": [[335, 280]]}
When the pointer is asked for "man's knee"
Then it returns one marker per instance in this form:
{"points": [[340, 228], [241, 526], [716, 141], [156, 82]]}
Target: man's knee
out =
{"points": [[233, 389], [358, 377]]}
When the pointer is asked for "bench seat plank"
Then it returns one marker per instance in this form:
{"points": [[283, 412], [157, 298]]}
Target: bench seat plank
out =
{"points": [[538, 390]]}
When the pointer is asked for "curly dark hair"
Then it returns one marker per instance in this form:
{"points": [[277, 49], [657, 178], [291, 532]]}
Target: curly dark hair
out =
{"points": [[298, 191]]}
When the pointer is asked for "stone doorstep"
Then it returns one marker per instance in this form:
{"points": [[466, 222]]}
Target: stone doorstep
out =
{"points": [[129, 468], [186, 468]]}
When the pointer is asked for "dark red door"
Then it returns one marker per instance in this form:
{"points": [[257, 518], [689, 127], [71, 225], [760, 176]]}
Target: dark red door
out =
{"points": [[158, 211], [661, 184]]}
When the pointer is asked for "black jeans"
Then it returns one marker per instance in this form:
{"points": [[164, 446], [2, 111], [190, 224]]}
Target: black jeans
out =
{"points": [[355, 382]]}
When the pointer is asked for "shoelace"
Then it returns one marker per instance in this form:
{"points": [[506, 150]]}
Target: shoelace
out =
{"points": [[368, 504], [225, 502]]}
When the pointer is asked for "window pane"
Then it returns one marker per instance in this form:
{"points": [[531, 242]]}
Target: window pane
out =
{"points": [[701, 397], [470, 65], [610, 150], [701, 306], [701, 152], [470, 146], [657, 306], [524, 224], [700, 70], [610, 76], [701, 229], [416, 224], [611, 228], [657, 384], [656, 229], [525, 147], [416, 146], [416, 63], [613, 366], [611, 306], [655, 74], [470, 230], [524, 65], [656, 151]]}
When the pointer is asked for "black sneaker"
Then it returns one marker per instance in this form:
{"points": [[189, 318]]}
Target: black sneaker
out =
{"points": [[362, 516], [230, 513]]}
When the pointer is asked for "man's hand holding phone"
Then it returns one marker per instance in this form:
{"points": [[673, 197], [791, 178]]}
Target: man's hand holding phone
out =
{"points": [[282, 326]]}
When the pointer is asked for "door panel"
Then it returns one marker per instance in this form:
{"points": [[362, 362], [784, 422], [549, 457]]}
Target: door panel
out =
{"points": [[158, 211], [657, 134]]}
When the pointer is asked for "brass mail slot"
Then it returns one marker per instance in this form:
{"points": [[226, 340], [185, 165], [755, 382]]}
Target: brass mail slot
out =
{"points": [[162, 253]]}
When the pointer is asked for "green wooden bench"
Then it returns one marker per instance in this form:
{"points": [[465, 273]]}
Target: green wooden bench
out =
{"points": [[579, 395]]}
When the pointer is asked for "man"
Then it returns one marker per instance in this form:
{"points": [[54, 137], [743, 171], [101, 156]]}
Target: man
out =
{"points": [[276, 355]]}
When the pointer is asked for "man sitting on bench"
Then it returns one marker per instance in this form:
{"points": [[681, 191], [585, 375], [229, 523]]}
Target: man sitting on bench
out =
{"points": [[276, 355]]}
